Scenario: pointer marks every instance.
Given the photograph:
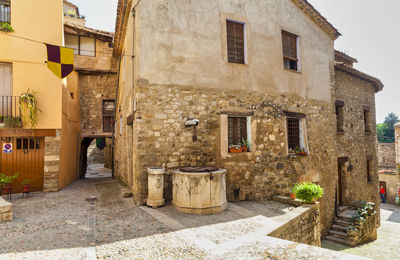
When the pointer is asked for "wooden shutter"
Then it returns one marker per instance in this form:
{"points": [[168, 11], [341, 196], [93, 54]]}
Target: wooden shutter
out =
{"points": [[235, 42], [289, 44], [237, 129], [293, 127], [108, 115]]}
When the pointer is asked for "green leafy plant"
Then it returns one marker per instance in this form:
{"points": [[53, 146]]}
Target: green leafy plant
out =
{"points": [[6, 27], [13, 122], [5, 180], [245, 142], [296, 153], [26, 182], [308, 191], [28, 105], [235, 146]]}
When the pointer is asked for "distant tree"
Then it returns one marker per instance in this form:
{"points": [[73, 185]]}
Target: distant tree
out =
{"points": [[385, 131]]}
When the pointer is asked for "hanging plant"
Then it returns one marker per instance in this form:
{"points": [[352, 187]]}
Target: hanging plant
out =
{"points": [[6, 27], [28, 105]]}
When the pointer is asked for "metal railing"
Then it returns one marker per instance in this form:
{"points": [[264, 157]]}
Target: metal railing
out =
{"points": [[4, 13], [9, 108]]}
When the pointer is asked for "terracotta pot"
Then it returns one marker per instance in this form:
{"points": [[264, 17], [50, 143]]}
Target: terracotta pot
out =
{"points": [[26, 188], [293, 196], [234, 150], [244, 149]]}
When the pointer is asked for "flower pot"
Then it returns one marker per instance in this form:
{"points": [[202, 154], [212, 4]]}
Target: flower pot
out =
{"points": [[26, 188], [235, 150], [244, 149], [293, 196]]}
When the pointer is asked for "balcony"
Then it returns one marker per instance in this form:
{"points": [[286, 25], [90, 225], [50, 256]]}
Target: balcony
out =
{"points": [[5, 16], [10, 112]]}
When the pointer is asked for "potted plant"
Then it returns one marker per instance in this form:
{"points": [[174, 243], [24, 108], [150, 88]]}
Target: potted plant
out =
{"points": [[292, 194], [245, 145], [26, 186], [6, 181], [6, 27], [235, 148], [308, 192], [28, 105], [13, 122], [351, 231]]}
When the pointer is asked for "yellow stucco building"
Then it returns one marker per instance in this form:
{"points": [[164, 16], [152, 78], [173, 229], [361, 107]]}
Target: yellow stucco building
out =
{"points": [[46, 153]]}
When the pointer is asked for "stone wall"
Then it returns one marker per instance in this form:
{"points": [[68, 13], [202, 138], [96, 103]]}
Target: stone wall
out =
{"points": [[354, 143], [5, 210], [304, 228], [95, 155], [108, 154], [94, 88], [397, 141], [162, 140], [386, 155], [392, 180]]}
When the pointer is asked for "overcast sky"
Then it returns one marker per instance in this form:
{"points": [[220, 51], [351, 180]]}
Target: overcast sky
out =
{"points": [[370, 34]]}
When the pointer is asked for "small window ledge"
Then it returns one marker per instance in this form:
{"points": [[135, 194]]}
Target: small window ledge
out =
{"points": [[340, 131], [295, 71]]}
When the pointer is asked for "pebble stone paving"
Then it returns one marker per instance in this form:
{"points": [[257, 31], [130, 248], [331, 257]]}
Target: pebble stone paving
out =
{"points": [[89, 219]]}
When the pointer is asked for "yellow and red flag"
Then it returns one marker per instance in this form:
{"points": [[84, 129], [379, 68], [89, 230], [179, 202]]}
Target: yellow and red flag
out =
{"points": [[60, 60]]}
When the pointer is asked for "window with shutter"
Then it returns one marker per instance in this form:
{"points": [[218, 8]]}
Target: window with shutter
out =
{"points": [[289, 45], [84, 46], [5, 15], [293, 128], [367, 120], [339, 106], [108, 115], [369, 167], [235, 42]]}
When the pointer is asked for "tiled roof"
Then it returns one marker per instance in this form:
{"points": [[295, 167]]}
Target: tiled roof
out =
{"points": [[321, 21], [124, 7], [107, 36], [345, 56], [378, 85]]}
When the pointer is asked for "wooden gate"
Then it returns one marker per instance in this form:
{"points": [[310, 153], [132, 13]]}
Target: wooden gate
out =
{"points": [[25, 157]]}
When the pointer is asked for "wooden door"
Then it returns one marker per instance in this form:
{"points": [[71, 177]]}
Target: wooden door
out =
{"points": [[26, 158]]}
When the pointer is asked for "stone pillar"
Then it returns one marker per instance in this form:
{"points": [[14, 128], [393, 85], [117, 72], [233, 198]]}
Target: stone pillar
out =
{"points": [[397, 141], [52, 162], [156, 187]]}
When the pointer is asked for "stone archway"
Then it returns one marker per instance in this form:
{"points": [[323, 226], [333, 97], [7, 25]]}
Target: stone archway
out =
{"points": [[83, 156]]}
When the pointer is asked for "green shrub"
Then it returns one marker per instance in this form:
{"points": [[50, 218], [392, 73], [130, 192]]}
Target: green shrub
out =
{"points": [[6, 27], [308, 191]]}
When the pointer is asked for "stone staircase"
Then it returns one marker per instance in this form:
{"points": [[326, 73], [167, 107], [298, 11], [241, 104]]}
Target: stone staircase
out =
{"points": [[337, 233]]}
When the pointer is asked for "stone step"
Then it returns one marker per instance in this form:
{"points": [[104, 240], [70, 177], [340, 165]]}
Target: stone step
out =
{"points": [[338, 234], [343, 223], [345, 218], [339, 228], [342, 241], [344, 208]]}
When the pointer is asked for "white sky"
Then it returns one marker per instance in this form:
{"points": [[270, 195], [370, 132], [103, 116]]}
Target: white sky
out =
{"points": [[370, 31]]}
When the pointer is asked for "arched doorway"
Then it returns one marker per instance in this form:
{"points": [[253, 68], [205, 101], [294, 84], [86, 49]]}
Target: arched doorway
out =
{"points": [[95, 160]]}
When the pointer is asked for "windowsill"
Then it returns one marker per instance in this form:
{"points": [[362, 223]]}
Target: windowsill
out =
{"points": [[295, 71], [234, 63], [240, 152], [368, 132], [370, 182], [340, 131]]}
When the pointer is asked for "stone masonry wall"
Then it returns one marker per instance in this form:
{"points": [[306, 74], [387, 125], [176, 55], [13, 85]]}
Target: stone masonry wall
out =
{"points": [[94, 88], [302, 229], [95, 155], [386, 155], [354, 142], [266, 171]]}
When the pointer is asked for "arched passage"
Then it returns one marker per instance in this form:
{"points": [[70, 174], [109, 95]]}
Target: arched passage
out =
{"points": [[95, 158]]}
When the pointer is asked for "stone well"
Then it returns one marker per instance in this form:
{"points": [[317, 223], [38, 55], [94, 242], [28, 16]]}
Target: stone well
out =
{"points": [[199, 192]]}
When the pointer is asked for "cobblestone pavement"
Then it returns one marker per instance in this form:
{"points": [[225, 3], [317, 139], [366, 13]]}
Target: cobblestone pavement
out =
{"points": [[70, 224], [387, 246]]}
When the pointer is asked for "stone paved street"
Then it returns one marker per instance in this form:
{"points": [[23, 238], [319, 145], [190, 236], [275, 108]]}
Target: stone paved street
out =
{"points": [[387, 246], [66, 225]]}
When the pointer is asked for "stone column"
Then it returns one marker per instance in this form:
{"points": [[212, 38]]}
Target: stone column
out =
{"points": [[52, 162]]}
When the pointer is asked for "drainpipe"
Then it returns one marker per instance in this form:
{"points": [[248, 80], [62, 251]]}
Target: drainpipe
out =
{"points": [[115, 117]]}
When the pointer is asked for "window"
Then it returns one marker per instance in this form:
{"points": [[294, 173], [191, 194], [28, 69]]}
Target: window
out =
{"points": [[5, 15], [120, 125], [367, 119], [339, 116], [296, 131], [235, 42], [108, 115], [369, 168], [28, 143], [82, 45], [7, 102], [239, 131], [290, 57]]}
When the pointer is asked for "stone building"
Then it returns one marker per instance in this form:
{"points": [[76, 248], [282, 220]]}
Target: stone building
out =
{"points": [[389, 176], [262, 72], [96, 78]]}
